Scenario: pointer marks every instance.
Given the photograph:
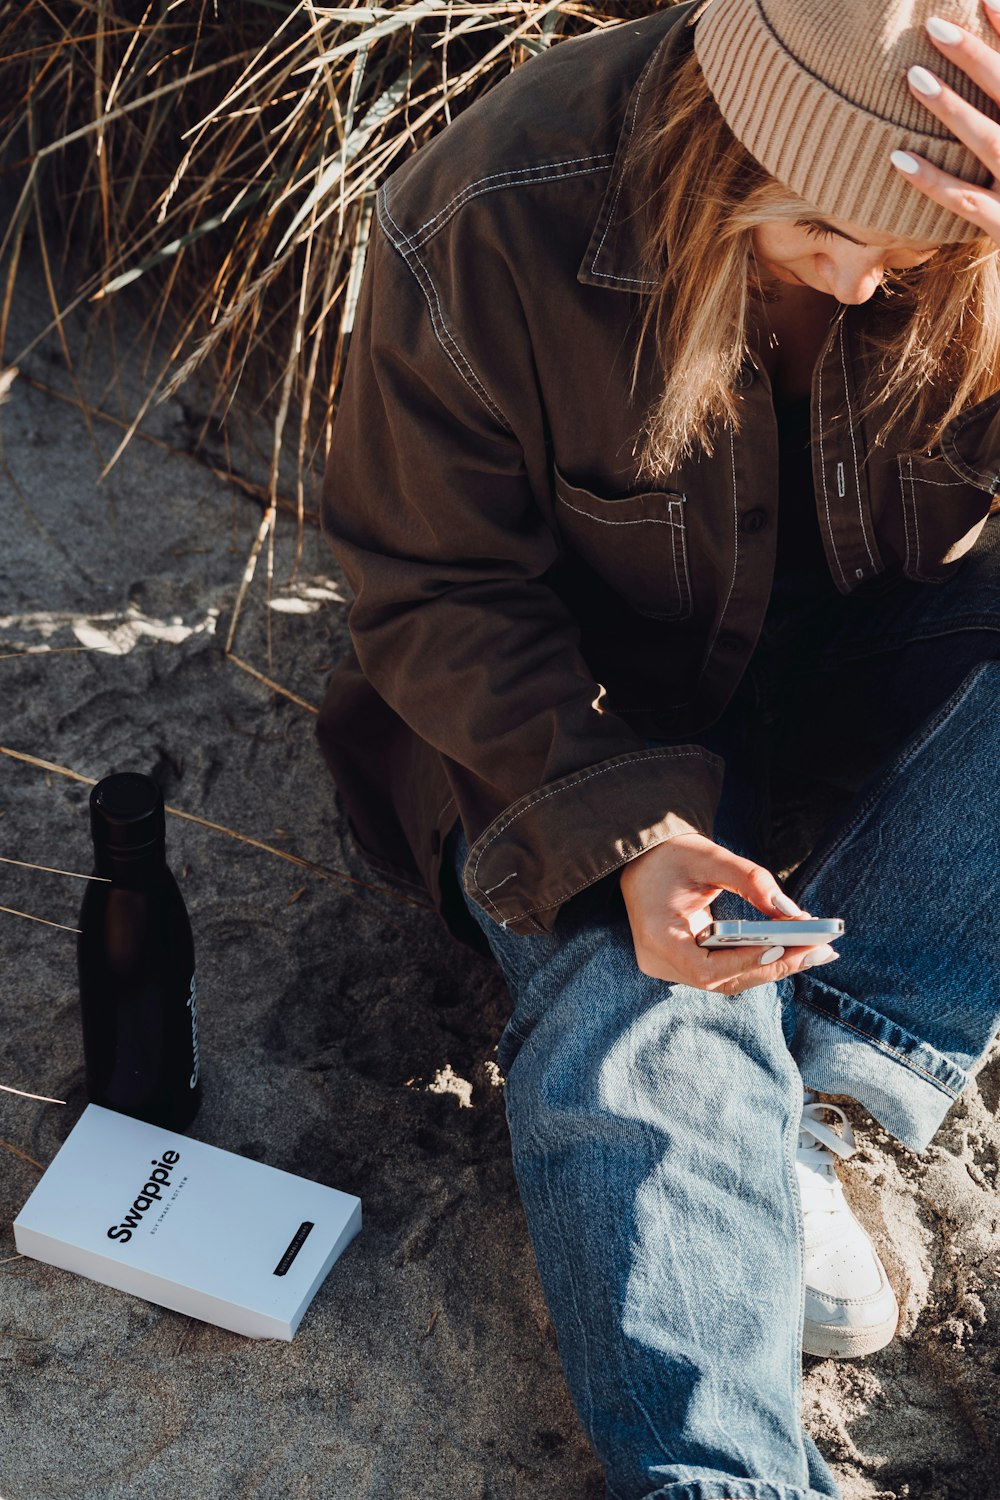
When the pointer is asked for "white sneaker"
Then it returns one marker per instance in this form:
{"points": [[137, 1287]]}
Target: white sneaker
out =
{"points": [[850, 1307]]}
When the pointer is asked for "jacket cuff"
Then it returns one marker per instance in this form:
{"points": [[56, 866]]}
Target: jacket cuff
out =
{"points": [[971, 444], [564, 836]]}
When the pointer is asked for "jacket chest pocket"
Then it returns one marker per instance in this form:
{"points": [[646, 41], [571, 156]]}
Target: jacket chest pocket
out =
{"points": [[942, 516], [638, 544]]}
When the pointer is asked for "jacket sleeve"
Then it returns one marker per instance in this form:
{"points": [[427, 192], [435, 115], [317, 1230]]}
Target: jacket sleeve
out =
{"points": [[971, 445], [430, 511]]}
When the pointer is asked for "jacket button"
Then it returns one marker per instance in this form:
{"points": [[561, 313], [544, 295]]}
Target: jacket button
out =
{"points": [[755, 520], [730, 642], [746, 376]]}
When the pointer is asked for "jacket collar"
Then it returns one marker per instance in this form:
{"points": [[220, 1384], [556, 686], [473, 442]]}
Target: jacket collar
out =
{"points": [[613, 257]]}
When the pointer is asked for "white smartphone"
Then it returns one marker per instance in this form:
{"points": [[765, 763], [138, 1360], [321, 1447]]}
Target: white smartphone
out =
{"points": [[790, 933]]}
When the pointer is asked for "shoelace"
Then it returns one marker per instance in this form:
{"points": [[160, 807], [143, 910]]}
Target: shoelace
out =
{"points": [[818, 1145]]}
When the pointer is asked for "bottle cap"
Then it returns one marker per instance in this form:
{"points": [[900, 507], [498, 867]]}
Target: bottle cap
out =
{"points": [[126, 812]]}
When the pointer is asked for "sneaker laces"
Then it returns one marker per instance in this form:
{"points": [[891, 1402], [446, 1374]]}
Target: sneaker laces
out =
{"points": [[817, 1150]]}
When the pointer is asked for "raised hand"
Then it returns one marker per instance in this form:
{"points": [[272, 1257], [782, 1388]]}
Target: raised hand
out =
{"points": [[981, 62]]}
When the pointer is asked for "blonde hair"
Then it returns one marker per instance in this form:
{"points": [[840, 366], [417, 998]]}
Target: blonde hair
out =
{"points": [[935, 330]]}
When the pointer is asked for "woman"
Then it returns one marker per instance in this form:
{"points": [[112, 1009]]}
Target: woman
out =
{"points": [[662, 476]]}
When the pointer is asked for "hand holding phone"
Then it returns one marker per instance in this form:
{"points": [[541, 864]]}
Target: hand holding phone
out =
{"points": [[794, 932], [668, 891]]}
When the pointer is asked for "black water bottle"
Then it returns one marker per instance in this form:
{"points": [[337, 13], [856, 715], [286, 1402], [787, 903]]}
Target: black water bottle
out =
{"points": [[136, 963]]}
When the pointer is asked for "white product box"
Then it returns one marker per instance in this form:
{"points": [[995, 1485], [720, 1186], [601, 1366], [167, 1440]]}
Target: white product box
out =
{"points": [[196, 1229]]}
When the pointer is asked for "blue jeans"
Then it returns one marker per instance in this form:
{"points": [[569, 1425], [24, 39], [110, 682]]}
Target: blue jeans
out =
{"points": [[654, 1125]]}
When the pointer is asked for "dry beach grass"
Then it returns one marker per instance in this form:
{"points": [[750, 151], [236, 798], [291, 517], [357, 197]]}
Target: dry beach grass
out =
{"points": [[217, 169], [228, 162]]}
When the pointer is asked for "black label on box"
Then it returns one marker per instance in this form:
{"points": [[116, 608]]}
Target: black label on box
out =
{"points": [[295, 1245]]}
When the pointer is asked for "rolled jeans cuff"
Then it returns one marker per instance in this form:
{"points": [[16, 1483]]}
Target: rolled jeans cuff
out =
{"points": [[904, 1083], [733, 1489]]}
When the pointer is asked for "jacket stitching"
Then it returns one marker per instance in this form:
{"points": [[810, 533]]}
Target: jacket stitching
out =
{"points": [[924, 577], [608, 521], [509, 178], [916, 522], [674, 540], [449, 803], [441, 331], [981, 478], [633, 115], [591, 880], [736, 556], [941, 484], [915, 570], [678, 549], [634, 280], [679, 540], [822, 469], [854, 451], [906, 520], [534, 802], [984, 476]]}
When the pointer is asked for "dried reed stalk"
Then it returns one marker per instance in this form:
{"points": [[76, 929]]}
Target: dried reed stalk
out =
{"points": [[23, 1094], [24, 1157], [275, 687], [28, 917], [48, 870], [256, 492], [322, 872], [249, 238]]}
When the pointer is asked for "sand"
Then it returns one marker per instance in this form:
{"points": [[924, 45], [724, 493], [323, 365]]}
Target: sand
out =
{"points": [[345, 1036]]}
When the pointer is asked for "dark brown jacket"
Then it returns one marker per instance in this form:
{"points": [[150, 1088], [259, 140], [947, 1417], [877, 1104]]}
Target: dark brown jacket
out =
{"points": [[527, 611]]}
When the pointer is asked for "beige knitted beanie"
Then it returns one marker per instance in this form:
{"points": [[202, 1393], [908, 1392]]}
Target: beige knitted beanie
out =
{"points": [[816, 91]]}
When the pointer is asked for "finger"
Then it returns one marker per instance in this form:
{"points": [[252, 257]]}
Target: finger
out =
{"points": [[978, 205], [735, 969], [713, 968], [976, 58], [753, 882], [970, 125], [794, 961], [673, 955]]}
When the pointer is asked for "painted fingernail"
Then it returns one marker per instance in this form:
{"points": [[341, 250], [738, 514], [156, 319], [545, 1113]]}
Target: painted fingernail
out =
{"points": [[772, 955], [943, 31], [786, 905], [923, 82], [993, 5], [819, 956], [904, 161]]}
